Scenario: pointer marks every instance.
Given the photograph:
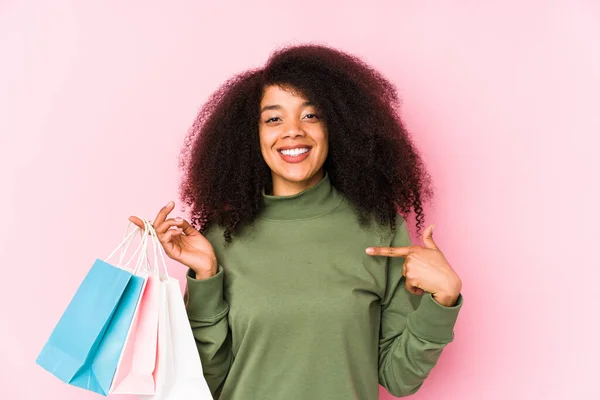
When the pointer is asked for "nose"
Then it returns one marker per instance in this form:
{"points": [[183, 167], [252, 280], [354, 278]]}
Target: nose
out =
{"points": [[293, 129]]}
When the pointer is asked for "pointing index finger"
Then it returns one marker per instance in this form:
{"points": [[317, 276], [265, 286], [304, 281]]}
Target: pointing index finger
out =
{"points": [[388, 251]]}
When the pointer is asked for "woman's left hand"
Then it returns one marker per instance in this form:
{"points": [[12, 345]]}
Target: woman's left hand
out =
{"points": [[426, 269]]}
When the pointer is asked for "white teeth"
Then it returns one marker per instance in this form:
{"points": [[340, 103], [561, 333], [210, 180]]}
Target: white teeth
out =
{"points": [[294, 152]]}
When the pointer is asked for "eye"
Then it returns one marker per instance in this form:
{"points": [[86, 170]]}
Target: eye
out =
{"points": [[312, 115], [271, 119]]}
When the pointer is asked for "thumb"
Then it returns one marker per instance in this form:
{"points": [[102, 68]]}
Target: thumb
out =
{"points": [[428, 238], [138, 222], [413, 289]]}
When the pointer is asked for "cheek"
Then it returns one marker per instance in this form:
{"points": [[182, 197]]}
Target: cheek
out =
{"points": [[266, 141], [325, 152], [263, 139], [324, 139]]}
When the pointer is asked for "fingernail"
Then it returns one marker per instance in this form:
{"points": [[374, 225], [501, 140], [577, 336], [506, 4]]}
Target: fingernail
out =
{"points": [[170, 204], [370, 250], [178, 219]]}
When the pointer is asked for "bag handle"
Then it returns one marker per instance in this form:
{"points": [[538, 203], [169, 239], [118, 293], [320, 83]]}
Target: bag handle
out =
{"points": [[124, 251], [144, 253], [127, 241], [157, 245]]}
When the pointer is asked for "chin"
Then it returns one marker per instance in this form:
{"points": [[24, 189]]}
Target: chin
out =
{"points": [[296, 177], [297, 172]]}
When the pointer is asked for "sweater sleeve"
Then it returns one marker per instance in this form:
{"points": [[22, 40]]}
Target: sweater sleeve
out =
{"points": [[414, 329], [207, 312]]}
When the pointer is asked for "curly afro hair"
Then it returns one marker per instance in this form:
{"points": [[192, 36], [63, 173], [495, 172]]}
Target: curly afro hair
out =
{"points": [[371, 158]]}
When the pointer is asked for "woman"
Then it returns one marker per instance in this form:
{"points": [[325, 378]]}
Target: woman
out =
{"points": [[302, 282]]}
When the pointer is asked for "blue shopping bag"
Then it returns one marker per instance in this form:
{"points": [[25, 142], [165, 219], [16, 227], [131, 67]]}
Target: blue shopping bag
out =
{"points": [[84, 348]]}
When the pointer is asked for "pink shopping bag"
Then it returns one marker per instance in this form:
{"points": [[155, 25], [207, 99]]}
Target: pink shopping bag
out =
{"points": [[135, 372]]}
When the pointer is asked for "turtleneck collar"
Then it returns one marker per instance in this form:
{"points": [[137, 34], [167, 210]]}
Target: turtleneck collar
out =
{"points": [[309, 203]]}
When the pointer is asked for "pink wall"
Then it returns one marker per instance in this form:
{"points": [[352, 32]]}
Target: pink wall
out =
{"points": [[502, 98]]}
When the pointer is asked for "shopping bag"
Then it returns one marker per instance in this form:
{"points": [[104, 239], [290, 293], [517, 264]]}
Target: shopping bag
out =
{"points": [[185, 378], [178, 374], [164, 354], [85, 345], [135, 370]]}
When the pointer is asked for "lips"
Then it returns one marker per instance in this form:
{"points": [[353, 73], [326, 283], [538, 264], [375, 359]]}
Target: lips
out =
{"points": [[295, 158]]}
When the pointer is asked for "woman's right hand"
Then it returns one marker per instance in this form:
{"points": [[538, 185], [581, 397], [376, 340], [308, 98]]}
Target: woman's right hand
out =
{"points": [[184, 244]]}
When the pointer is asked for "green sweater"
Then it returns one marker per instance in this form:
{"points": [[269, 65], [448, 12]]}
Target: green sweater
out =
{"points": [[298, 310]]}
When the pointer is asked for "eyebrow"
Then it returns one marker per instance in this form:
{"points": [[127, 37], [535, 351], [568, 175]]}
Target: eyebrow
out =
{"points": [[278, 107]]}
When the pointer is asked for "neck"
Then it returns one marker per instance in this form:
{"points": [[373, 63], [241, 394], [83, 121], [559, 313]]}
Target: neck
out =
{"points": [[317, 200], [283, 187]]}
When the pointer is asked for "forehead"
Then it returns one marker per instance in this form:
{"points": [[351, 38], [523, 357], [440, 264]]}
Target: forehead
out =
{"points": [[275, 94]]}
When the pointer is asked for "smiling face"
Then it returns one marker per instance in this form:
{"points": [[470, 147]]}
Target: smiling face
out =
{"points": [[293, 140]]}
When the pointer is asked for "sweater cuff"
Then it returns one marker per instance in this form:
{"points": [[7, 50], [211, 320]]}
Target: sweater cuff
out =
{"points": [[433, 321], [204, 297]]}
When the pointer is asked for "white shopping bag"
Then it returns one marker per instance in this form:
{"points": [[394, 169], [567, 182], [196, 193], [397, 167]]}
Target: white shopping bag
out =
{"points": [[178, 374]]}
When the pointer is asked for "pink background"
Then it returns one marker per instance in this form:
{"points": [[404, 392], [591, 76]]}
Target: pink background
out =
{"points": [[502, 98]]}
